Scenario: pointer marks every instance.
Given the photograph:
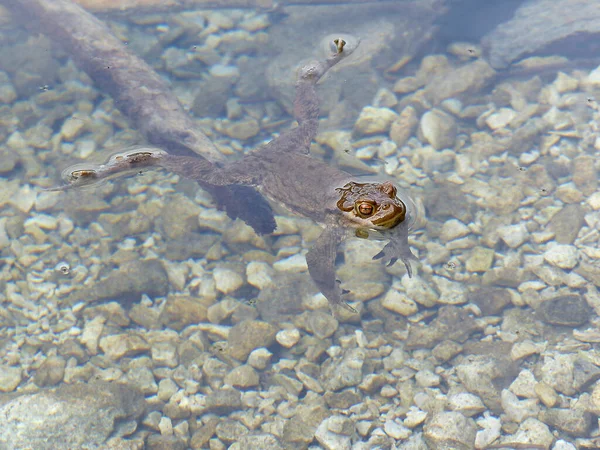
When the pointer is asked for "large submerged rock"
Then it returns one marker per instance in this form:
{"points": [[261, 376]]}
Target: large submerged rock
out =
{"points": [[83, 416], [541, 25]]}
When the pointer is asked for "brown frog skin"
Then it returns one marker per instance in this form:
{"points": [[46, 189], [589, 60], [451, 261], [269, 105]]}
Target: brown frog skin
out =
{"points": [[284, 172]]}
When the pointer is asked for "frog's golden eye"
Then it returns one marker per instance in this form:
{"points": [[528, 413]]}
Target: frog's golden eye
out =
{"points": [[365, 209]]}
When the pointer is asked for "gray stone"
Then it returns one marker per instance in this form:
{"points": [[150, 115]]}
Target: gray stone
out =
{"points": [[229, 430], [584, 374], [450, 430], [242, 376], [567, 222], [491, 301], [223, 401], [346, 372], [486, 373], [572, 421], [539, 25], [164, 354], [257, 441], [439, 129], [127, 283], [465, 80], [566, 310], [143, 379], [300, 429], [329, 439], [563, 256], [71, 416], [451, 323], [249, 335]]}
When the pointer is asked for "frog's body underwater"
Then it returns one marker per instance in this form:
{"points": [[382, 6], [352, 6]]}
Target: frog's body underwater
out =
{"points": [[284, 172]]}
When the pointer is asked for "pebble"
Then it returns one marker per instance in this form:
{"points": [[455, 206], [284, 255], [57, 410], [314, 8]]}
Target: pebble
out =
{"points": [[546, 394], [514, 235], [288, 337], [293, 264], [575, 422], [562, 256], [414, 417], [260, 358], [10, 377], [179, 311], [115, 346], [501, 118], [518, 410], [451, 292], [569, 310], [24, 199], [249, 335], [259, 274], [165, 426], [227, 280], [399, 303], [480, 259], [143, 379], [468, 78], [490, 431], [374, 120], [243, 376], [50, 372], [330, 440], [403, 126], [240, 129], [449, 429], [164, 354], [439, 129], [525, 348], [426, 378], [91, 334], [396, 430], [166, 389], [466, 403], [453, 229]]}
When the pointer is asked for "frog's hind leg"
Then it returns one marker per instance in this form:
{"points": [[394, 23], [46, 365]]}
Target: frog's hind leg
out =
{"points": [[321, 266], [306, 103]]}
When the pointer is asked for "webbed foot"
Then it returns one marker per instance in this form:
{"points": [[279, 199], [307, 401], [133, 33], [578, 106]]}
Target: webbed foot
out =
{"points": [[394, 250]]}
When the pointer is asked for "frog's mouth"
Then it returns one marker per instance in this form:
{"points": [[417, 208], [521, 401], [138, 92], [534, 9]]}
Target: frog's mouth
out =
{"points": [[372, 205]]}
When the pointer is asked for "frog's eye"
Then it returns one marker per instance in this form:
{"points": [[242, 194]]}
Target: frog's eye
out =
{"points": [[365, 209], [77, 174]]}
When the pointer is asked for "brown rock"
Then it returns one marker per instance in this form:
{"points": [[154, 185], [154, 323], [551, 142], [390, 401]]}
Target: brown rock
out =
{"points": [[51, 371], [248, 335], [180, 311], [404, 126], [118, 345], [566, 223]]}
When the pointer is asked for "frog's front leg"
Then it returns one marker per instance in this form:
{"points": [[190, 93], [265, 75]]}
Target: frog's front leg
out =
{"points": [[321, 266], [397, 248]]}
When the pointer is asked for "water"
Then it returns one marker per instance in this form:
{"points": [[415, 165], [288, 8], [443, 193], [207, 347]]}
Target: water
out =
{"points": [[134, 313]]}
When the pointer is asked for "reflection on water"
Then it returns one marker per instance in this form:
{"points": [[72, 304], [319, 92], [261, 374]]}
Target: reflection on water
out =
{"points": [[157, 321]]}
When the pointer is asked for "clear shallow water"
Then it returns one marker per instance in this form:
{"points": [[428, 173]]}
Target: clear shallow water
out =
{"points": [[143, 282]]}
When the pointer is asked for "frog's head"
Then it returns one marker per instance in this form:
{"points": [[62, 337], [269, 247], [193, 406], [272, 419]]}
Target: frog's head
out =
{"points": [[371, 205]]}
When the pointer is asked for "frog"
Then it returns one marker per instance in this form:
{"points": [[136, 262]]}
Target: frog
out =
{"points": [[286, 173]]}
